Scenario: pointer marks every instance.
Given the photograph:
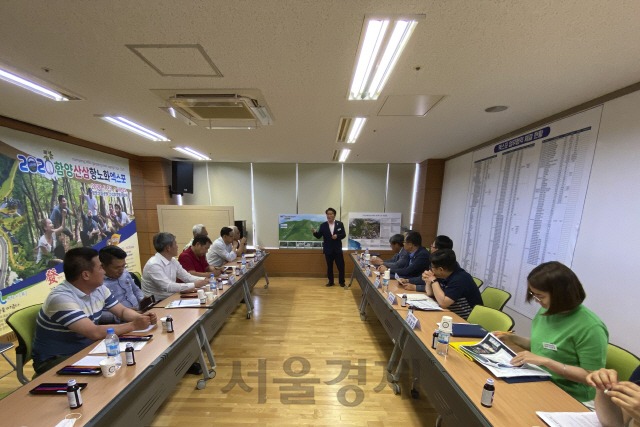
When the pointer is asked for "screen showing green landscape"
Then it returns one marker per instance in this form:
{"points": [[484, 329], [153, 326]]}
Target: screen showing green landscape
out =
{"points": [[294, 230]]}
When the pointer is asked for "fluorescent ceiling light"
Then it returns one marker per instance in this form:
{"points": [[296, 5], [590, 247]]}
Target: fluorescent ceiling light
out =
{"points": [[134, 127], [190, 152], [33, 87], [344, 154], [356, 127], [384, 40]]}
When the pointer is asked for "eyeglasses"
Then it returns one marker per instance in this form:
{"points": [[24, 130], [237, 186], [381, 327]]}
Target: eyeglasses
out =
{"points": [[534, 297]]}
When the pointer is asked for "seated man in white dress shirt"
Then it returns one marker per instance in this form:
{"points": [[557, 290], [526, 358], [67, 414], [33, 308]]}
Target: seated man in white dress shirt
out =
{"points": [[161, 271], [197, 229], [221, 251]]}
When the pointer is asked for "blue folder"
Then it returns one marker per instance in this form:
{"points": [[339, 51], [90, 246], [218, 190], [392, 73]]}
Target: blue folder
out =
{"points": [[467, 330]]}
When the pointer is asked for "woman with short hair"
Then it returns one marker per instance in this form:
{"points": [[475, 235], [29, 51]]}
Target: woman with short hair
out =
{"points": [[567, 339]]}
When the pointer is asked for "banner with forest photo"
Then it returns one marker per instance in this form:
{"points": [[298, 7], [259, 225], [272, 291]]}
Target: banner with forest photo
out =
{"points": [[54, 197]]}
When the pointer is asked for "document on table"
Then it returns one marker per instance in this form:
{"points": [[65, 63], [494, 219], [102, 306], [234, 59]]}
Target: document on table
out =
{"points": [[144, 330], [89, 361], [418, 297], [183, 303], [427, 305], [102, 347], [570, 419]]}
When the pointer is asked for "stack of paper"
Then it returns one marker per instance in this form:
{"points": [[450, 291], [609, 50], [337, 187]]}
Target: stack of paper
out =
{"points": [[102, 347], [424, 303], [570, 419], [183, 303]]}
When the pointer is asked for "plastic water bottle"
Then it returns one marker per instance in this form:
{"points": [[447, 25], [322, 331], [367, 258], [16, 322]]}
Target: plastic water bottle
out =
{"points": [[212, 282], [443, 337], [244, 261], [385, 284], [366, 252], [112, 342]]}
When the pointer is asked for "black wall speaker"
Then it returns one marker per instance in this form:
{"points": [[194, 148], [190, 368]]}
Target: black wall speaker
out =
{"points": [[181, 177]]}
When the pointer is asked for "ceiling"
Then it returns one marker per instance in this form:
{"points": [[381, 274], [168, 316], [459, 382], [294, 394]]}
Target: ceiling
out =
{"points": [[537, 57]]}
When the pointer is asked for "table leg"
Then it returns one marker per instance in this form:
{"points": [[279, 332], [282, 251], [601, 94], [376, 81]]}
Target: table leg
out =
{"points": [[247, 299], [353, 273], [267, 279], [393, 378], [363, 306], [10, 363], [207, 374]]}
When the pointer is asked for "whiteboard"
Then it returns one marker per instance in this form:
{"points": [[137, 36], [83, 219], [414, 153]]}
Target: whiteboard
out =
{"points": [[525, 201]]}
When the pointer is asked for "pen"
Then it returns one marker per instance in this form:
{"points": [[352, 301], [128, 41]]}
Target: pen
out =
{"points": [[505, 332]]}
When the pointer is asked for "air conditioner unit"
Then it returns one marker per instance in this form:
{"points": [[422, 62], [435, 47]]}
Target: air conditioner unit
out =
{"points": [[218, 110]]}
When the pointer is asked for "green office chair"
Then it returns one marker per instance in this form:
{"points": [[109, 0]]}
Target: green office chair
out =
{"points": [[495, 298], [3, 395], [622, 361], [478, 281], [137, 279], [491, 319], [23, 323]]}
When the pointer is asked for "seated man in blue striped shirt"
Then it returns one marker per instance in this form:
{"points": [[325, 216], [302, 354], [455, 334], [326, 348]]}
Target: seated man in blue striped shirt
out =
{"points": [[68, 319]]}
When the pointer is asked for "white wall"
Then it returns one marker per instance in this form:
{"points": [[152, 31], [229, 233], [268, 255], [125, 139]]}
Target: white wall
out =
{"points": [[607, 248], [320, 186]]}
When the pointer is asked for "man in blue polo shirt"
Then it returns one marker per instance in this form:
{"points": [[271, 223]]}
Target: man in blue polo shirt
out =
{"points": [[449, 284], [68, 319]]}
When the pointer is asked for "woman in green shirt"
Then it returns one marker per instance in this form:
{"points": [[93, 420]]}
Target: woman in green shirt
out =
{"points": [[567, 339]]}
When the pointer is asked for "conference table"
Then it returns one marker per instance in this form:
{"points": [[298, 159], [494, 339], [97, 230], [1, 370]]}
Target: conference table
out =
{"points": [[134, 394], [454, 383]]}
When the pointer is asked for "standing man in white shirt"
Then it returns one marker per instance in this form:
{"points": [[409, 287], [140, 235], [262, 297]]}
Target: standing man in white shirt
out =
{"points": [[92, 202], [221, 251], [161, 271]]}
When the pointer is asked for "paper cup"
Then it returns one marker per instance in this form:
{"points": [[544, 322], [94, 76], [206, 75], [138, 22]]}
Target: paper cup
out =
{"points": [[210, 296], [163, 320], [108, 367]]}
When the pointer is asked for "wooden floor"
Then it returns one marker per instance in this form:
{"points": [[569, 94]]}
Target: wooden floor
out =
{"points": [[295, 318]]}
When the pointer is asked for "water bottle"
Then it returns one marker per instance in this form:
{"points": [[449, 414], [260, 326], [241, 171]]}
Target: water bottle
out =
{"points": [[443, 337], [385, 281], [366, 252], [244, 261], [112, 342], [212, 282]]}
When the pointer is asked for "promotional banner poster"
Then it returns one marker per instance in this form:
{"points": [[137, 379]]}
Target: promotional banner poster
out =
{"points": [[295, 231], [55, 197], [372, 230]]}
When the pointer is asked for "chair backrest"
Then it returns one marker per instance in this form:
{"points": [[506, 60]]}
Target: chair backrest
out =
{"points": [[622, 361], [137, 279], [23, 323], [478, 281], [490, 319], [495, 298]]}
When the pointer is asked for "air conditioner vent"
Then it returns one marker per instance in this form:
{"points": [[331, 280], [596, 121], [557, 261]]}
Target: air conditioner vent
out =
{"points": [[218, 108]]}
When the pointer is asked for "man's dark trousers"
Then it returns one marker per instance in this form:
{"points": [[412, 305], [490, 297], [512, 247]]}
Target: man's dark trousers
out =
{"points": [[339, 259]]}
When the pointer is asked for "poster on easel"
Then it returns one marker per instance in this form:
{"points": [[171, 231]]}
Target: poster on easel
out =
{"points": [[372, 229]]}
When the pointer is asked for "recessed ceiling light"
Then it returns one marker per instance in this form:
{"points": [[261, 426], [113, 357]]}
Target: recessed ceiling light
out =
{"points": [[381, 46], [350, 128], [496, 109], [134, 127], [192, 153], [33, 87]]}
